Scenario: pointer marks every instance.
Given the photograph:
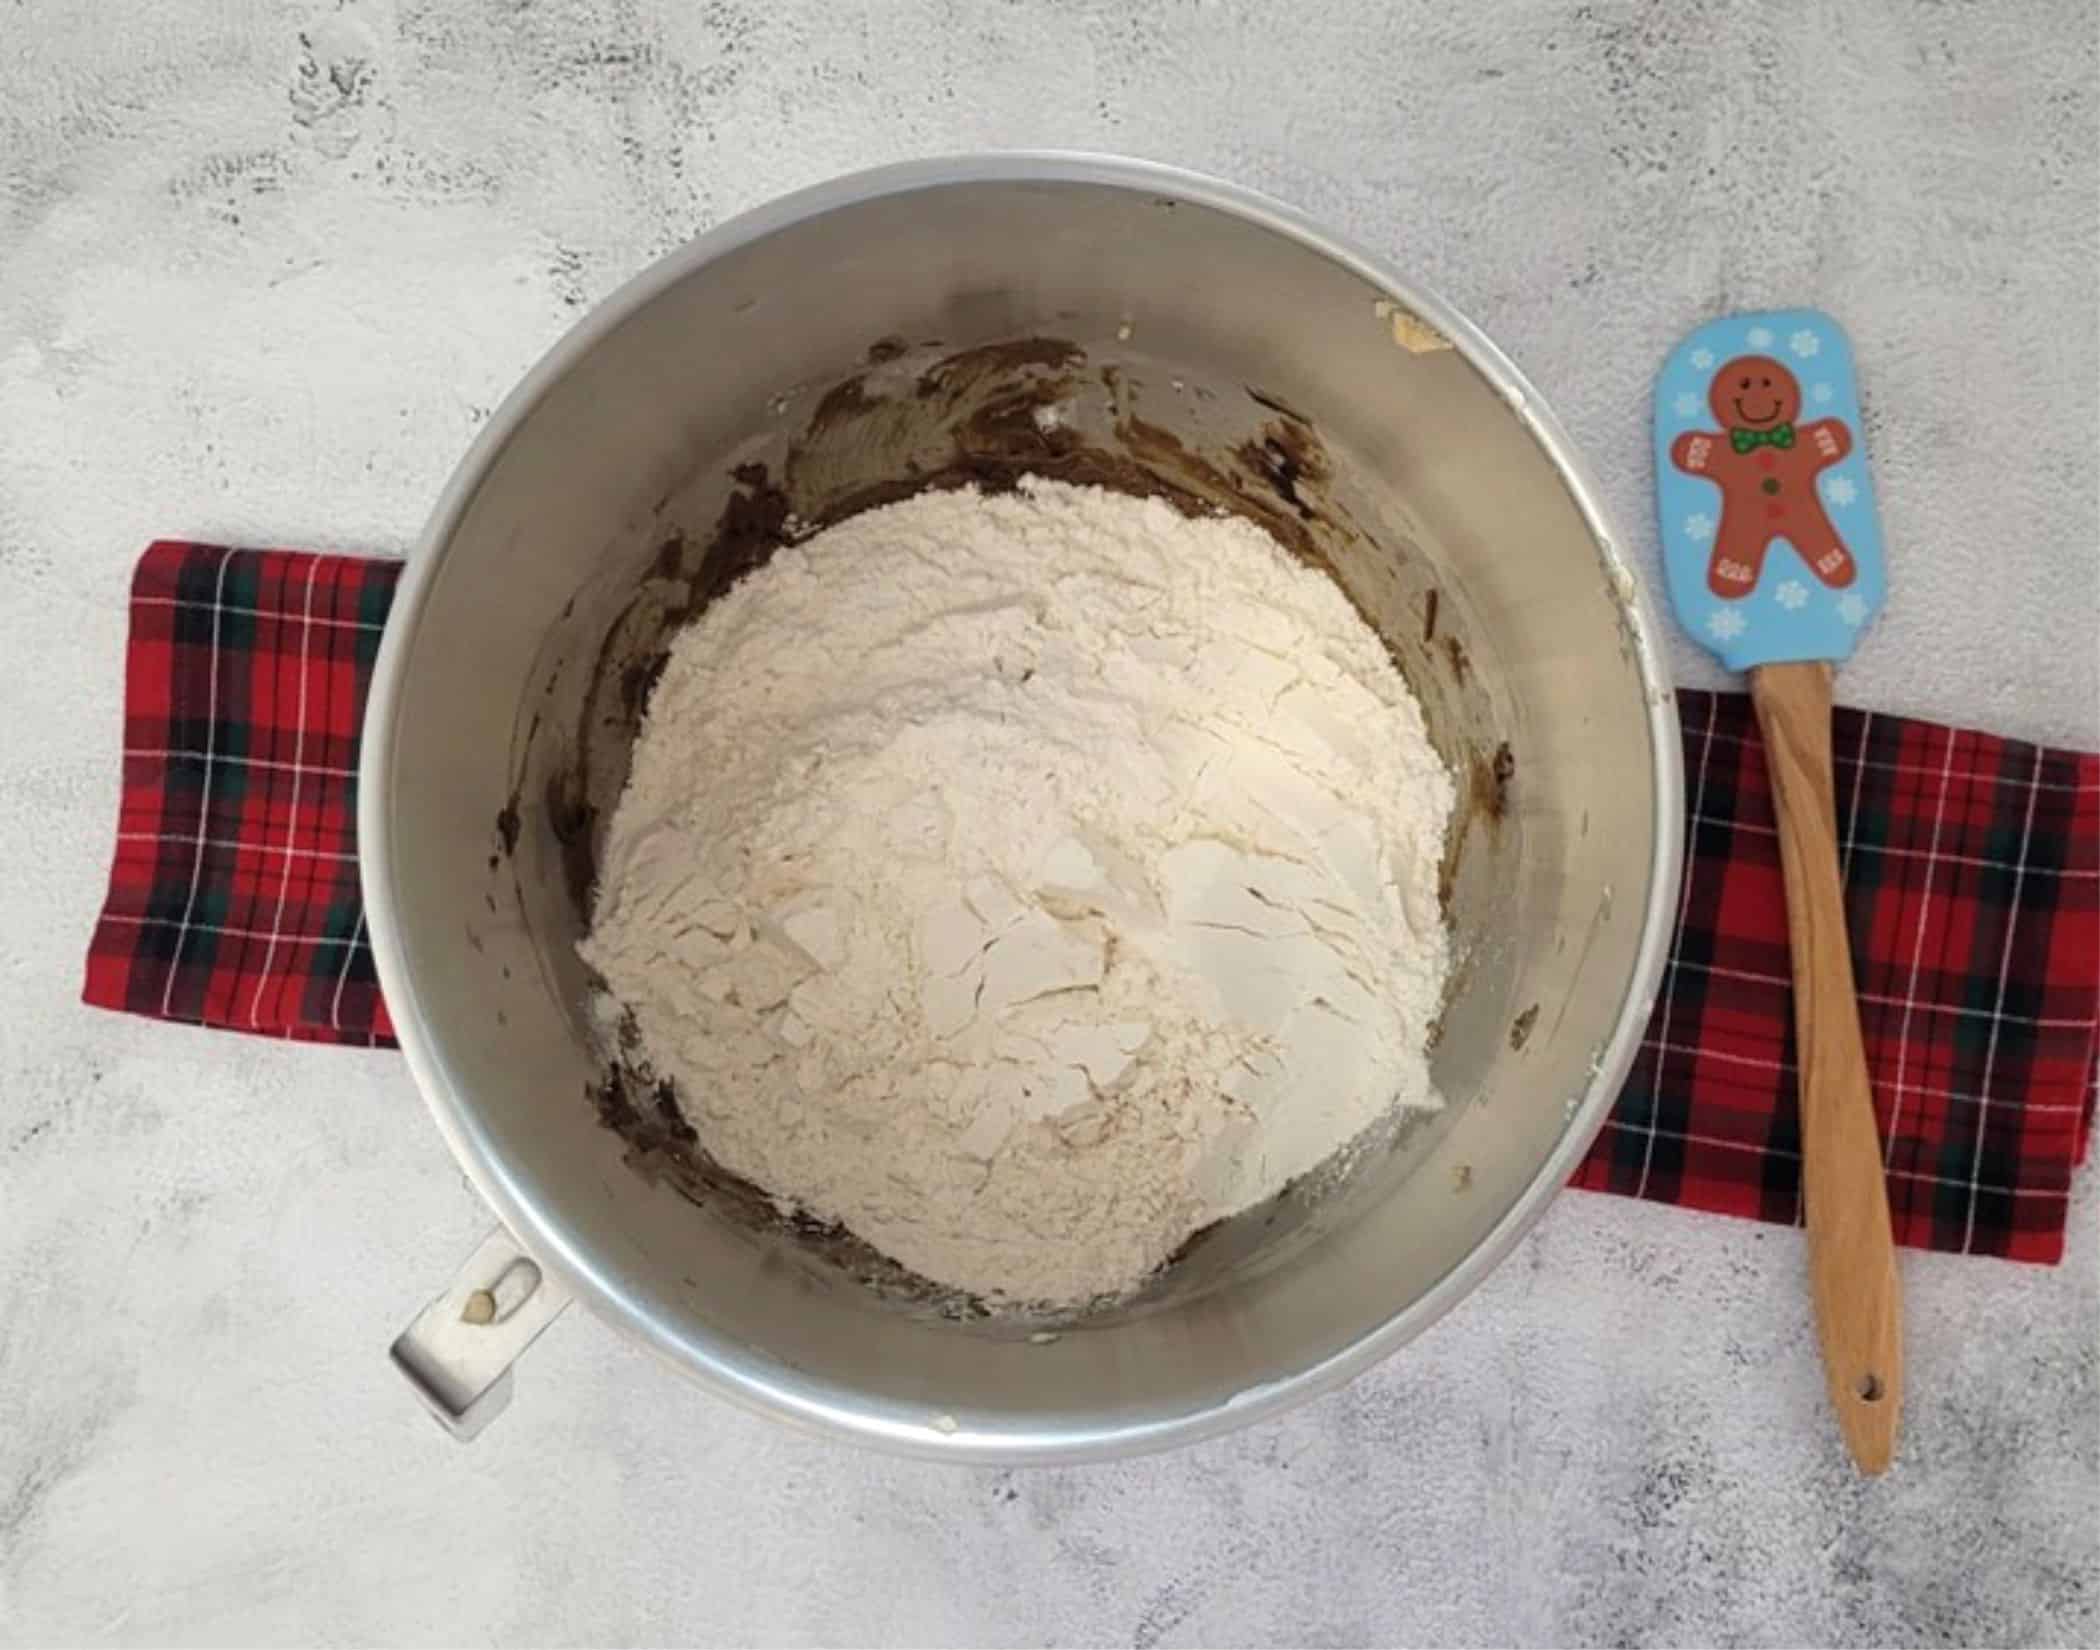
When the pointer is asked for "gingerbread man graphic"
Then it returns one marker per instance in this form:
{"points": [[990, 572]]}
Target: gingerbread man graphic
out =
{"points": [[1766, 467]]}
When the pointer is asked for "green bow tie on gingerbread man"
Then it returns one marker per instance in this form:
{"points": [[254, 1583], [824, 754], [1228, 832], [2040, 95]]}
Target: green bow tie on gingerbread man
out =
{"points": [[1779, 435]]}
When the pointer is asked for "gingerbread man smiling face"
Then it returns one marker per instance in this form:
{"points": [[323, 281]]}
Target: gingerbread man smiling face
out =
{"points": [[1754, 392], [1766, 468]]}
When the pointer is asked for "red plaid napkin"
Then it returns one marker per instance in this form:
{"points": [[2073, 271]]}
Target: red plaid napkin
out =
{"points": [[1972, 891], [234, 898], [1972, 869]]}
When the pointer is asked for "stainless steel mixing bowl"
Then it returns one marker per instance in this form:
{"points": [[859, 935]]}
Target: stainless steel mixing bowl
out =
{"points": [[1203, 338]]}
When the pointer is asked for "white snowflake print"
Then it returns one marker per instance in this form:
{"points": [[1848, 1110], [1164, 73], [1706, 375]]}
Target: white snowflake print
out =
{"points": [[1804, 343], [1820, 392], [1853, 610], [1687, 405], [1840, 490], [1760, 338], [1724, 624], [1702, 358], [1792, 595], [1699, 527]]}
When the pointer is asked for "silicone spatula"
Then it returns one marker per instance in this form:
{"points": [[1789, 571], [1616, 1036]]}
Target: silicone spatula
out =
{"points": [[1772, 552]]}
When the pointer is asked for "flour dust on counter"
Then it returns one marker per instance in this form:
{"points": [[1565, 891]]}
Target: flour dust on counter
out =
{"points": [[1023, 881]]}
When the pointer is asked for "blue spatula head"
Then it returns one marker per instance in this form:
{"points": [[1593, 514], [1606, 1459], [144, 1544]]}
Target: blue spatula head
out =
{"points": [[1770, 533]]}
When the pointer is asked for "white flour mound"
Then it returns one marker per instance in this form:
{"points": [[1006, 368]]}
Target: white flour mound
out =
{"points": [[1023, 882]]}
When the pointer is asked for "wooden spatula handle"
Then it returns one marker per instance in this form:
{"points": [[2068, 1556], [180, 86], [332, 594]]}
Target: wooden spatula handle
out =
{"points": [[1852, 1257]]}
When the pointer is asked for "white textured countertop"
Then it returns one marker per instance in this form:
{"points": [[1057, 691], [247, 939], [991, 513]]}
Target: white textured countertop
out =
{"points": [[263, 267]]}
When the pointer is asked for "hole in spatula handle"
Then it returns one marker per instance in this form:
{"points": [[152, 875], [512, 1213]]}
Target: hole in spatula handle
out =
{"points": [[1869, 1389]]}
